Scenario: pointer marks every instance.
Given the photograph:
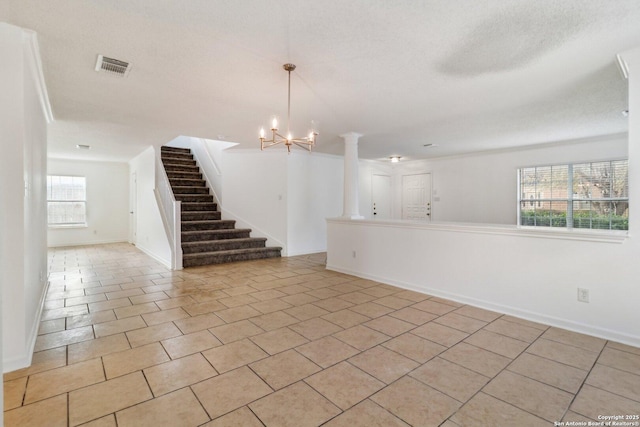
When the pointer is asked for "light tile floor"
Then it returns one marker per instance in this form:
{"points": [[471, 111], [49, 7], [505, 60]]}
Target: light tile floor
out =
{"points": [[284, 342]]}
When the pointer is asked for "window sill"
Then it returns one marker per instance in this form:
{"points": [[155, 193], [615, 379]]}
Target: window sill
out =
{"points": [[67, 226]]}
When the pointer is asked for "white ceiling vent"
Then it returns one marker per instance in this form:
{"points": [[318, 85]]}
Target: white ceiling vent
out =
{"points": [[113, 66]]}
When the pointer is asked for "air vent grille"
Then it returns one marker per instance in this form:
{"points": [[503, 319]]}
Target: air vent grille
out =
{"points": [[113, 66]]}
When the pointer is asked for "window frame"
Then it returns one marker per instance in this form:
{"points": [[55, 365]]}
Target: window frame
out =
{"points": [[570, 199], [83, 201]]}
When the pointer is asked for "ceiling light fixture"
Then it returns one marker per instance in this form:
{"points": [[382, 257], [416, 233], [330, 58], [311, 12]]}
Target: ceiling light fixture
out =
{"points": [[395, 159], [625, 113], [307, 142]]}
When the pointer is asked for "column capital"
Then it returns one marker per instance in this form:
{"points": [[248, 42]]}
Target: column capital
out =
{"points": [[631, 56], [351, 137]]}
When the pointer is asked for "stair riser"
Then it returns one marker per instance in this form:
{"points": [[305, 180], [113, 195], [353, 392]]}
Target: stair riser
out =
{"points": [[183, 175], [187, 182], [222, 245], [182, 168], [176, 158], [165, 149], [204, 235], [189, 190], [194, 207], [172, 155], [222, 225], [198, 216], [196, 198], [208, 259], [178, 161]]}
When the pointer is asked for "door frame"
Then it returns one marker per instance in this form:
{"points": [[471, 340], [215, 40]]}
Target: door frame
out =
{"points": [[390, 198], [133, 207]]}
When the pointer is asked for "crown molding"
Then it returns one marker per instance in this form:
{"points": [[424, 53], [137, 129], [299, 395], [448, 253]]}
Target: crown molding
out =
{"points": [[33, 57]]}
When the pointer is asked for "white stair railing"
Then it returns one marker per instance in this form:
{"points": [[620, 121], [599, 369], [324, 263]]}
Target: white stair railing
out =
{"points": [[169, 211]]}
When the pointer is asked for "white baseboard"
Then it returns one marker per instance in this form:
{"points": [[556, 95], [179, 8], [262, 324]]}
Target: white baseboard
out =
{"points": [[161, 260], [88, 243], [30, 342]]}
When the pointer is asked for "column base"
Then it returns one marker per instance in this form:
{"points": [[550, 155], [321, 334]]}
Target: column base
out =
{"points": [[352, 217]]}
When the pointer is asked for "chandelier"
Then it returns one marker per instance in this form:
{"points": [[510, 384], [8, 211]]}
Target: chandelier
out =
{"points": [[307, 142]]}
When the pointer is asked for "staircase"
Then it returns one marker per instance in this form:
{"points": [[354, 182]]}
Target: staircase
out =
{"points": [[206, 238]]}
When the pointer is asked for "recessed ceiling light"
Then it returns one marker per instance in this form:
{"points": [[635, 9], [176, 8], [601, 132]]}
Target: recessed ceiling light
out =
{"points": [[395, 159], [83, 147]]}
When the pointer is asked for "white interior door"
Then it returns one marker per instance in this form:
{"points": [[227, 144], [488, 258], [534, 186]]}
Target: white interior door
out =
{"points": [[133, 203], [416, 197], [381, 196]]}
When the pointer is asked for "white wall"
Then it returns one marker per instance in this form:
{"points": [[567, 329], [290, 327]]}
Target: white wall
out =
{"points": [[107, 203], [209, 154], [255, 193], [482, 187], [530, 275], [24, 113], [283, 197], [151, 237], [314, 189]]}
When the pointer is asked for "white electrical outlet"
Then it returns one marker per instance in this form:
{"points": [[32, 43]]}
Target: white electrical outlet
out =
{"points": [[583, 295]]}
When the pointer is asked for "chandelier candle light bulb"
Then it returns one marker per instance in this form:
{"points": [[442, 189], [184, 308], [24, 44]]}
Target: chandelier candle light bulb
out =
{"points": [[307, 142]]}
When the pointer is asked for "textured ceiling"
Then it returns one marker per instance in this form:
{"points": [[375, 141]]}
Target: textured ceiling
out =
{"points": [[466, 75]]}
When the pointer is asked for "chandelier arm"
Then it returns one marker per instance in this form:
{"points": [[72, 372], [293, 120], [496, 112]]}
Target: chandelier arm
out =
{"points": [[306, 146], [267, 144]]}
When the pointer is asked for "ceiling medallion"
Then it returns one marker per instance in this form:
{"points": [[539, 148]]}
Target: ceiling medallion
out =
{"points": [[307, 142]]}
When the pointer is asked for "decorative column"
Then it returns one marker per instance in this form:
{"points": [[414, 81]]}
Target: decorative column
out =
{"points": [[350, 207]]}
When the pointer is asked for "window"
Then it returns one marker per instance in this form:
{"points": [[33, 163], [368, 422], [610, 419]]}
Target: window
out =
{"points": [[67, 200], [583, 195]]}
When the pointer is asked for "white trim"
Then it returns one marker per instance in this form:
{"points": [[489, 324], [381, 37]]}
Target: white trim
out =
{"points": [[34, 59], [156, 257], [504, 309], [210, 157], [497, 229], [258, 232], [532, 146], [30, 341], [306, 252], [67, 226], [89, 242]]}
